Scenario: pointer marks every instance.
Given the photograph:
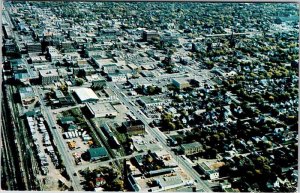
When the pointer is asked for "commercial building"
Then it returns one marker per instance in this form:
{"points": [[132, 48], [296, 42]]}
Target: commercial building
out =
{"points": [[37, 59], [67, 46], [86, 95], [102, 109], [150, 35], [99, 83], [67, 120], [9, 47], [208, 171], [150, 102], [34, 47], [135, 127], [27, 95], [109, 68], [98, 153], [180, 83], [54, 54], [48, 76], [191, 148], [117, 77]]}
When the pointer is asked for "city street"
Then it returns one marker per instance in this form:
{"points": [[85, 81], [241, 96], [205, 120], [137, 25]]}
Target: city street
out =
{"points": [[156, 133]]}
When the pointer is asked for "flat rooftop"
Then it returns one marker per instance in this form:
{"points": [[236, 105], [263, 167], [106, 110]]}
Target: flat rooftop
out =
{"points": [[48, 72], [102, 108]]}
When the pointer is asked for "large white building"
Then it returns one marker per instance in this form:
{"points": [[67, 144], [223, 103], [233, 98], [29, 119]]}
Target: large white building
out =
{"points": [[102, 109], [86, 95]]}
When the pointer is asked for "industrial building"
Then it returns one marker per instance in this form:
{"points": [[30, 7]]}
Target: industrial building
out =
{"points": [[86, 95], [98, 153], [102, 110]]}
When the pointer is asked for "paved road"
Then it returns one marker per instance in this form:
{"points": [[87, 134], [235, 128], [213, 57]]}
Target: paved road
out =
{"points": [[67, 108], [161, 137], [58, 140], [100, 163]]}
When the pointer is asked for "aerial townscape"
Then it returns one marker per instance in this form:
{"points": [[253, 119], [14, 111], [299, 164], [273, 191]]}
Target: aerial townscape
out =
{"points": [[149, 96]]}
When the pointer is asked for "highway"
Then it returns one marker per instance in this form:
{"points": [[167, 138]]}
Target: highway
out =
{"points": [[161, 137], [58, 141]]}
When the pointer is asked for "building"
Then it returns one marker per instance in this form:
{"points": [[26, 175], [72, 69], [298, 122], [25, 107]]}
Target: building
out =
{"points": [[117, 77], [135, 127], [54, 54], [9, 47], [191, 148], [22, 76], [27, 95], [86, 95], [59, 94], [98, 153], [67, 46], [67, 120], [34, 47], [135, 83], [150, 102], [109, 68], [134, 186], [102, 110], [208, 171], [99, 83], [150, 35], [37, 59], [180, 83], [169, 40], [48, 76]]}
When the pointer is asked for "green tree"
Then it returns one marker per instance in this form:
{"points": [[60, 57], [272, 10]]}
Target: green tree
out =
{"points": [[79, 81]]}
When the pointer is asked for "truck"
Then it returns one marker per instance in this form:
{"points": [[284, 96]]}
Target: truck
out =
{"points": [[76, 133], [70, 134], [66, 135], [73, 134]]}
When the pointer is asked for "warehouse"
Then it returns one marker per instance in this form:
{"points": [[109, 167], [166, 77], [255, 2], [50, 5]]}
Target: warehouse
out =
{"points": [[102, 110], [86, 95], [98, 153]]}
